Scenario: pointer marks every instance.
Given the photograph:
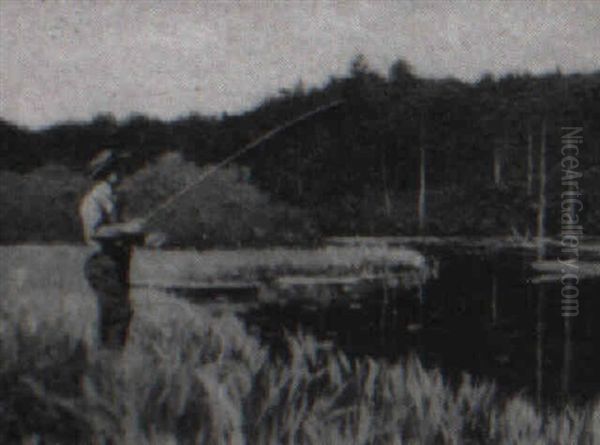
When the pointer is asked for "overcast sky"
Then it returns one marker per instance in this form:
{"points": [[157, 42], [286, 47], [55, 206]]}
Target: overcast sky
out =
{"points": [[62, 60]]}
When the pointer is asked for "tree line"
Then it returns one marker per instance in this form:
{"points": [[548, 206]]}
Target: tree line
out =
{"points": [[402, 155]]}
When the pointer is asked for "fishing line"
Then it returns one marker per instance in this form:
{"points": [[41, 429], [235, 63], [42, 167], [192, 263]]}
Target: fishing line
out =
{"points": [[253, 144]]}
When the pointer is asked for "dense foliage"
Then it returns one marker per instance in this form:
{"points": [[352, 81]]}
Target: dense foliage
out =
{"points": [[356, 168], [225, 210]]}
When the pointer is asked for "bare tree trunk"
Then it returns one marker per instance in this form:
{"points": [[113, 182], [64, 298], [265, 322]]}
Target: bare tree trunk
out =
{"points": [[541, 216], [299, 182], [500, 151], [422, 181], [497, 166], [386, 192], [529, 161], [539, 346]]}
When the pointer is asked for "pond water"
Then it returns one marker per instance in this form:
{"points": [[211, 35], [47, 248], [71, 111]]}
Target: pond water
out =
{"points": [[481, 315]]}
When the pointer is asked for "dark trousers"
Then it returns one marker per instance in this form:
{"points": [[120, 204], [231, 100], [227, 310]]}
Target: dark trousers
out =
{"points": [[108, 275]]}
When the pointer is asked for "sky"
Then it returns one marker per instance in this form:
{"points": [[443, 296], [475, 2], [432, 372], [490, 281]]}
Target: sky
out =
{"points": [[68, 60]]}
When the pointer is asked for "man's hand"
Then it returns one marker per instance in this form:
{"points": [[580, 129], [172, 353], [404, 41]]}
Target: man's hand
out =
{"points": [[155, 239]]}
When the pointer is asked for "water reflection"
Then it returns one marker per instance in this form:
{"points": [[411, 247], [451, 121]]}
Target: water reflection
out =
{"points": [[567, 357], [539, 345], [483, 315]]}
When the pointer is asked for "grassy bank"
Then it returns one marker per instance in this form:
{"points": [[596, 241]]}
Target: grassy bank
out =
{"points": [[269, 264], [588, 244], [60, 265], [191, 376]]}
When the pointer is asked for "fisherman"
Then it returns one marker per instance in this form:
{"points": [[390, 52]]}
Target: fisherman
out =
{"points": [[107, 268]]}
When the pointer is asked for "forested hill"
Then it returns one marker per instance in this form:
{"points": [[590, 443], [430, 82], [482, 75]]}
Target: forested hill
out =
{"points": [[356, 168]]}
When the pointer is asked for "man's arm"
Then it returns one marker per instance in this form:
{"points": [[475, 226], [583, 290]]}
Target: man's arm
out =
{"points": [[99, 213], [124, 229]]}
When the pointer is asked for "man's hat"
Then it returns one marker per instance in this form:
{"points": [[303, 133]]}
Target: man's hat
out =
{"points": [[103, 163]]}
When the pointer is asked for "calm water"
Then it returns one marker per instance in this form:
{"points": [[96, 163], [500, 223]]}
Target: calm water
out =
{"points": [[481, 315]]}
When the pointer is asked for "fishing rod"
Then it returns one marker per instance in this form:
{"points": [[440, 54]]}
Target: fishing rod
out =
{"points": [[251, 145]]}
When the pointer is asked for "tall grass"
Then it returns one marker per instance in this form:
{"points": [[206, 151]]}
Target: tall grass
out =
{"points": [[191, 376]]}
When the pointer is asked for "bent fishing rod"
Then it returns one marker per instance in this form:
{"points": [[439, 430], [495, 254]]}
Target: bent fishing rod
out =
{"points": [[246, 148]]}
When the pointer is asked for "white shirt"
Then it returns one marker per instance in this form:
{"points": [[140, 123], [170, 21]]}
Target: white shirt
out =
{"points": [[98, 207]]}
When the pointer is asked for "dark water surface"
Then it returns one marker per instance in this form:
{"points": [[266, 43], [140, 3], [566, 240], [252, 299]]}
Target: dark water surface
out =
{"points": [[482, 315]]}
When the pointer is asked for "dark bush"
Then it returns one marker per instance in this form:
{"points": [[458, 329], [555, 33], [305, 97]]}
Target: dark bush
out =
{"points": [[224, 210]]}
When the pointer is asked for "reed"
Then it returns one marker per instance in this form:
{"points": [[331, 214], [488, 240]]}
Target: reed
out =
{"points": [[189, 375]]}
